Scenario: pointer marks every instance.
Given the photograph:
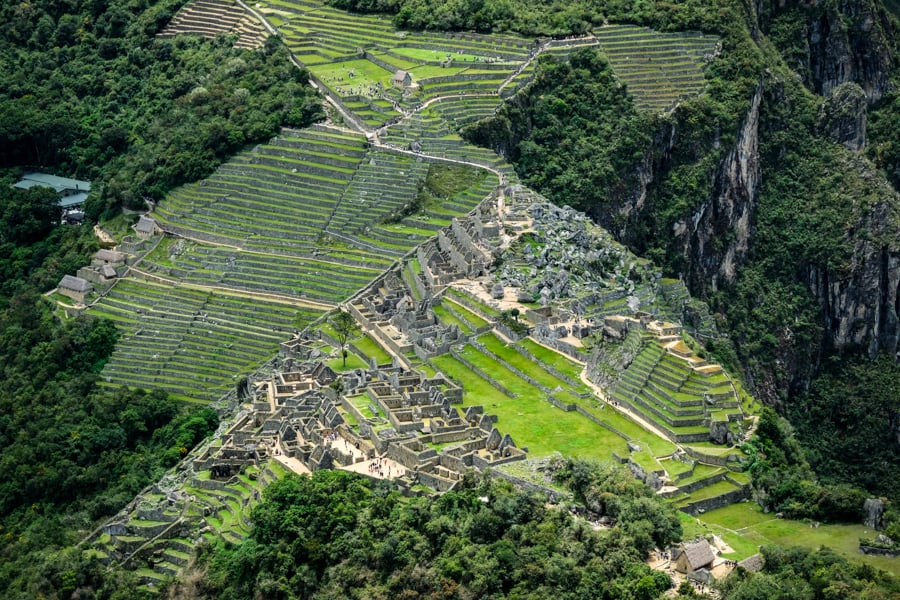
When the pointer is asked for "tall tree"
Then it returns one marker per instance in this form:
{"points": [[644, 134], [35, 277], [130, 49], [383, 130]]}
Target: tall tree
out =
{"points": [[344, 327]]}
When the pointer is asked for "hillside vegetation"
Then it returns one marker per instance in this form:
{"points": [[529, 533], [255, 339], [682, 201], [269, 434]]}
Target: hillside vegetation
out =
{"points": [[761, 238], [90, 93]]}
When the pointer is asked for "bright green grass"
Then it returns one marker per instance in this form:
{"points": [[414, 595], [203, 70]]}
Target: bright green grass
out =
{"points": [[701, 471], [475, 319], [447, 318], [425, 71], [746, 520], [553, 358], [710, 491], [397, 62], [504, 351], [370, 348], [353, 362], [529, 419], [425, 54], [657, 445], [366, 73]]}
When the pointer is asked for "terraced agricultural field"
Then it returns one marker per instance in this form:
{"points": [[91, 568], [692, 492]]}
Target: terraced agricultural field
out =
{"points": [[678, 396], [280, 232], [210, 18], [356, 57], [190, 342], [659, 68], [214, 510]]}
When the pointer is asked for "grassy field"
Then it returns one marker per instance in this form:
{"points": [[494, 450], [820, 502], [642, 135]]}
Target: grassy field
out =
{"points": [[744, 527], [531, 420], [365, 74]]}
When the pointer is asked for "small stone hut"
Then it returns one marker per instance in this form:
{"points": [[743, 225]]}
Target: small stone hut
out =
{"points": [[145, 227], [75, 288], [402, 79], [691, 556]]}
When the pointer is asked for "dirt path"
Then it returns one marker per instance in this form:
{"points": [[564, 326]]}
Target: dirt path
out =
{"points": [[103, 236], [628, 413]]}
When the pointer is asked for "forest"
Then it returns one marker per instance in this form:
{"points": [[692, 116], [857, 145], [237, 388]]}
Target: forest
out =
{"points": [[90, 93], [336, 535]]}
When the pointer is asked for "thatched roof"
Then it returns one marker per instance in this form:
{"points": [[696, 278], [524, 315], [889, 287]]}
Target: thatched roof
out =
{"points": [[76, 284], [111, 256], [752, 563], [699, 554], [145, 225]]}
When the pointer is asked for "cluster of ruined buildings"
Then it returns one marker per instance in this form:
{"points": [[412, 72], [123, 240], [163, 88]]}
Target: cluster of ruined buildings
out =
{"points": [[108, 265], [305, 413]]}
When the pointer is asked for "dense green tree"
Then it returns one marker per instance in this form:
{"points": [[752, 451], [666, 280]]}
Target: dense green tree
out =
{"points": [[338, 535], [92, 93]]}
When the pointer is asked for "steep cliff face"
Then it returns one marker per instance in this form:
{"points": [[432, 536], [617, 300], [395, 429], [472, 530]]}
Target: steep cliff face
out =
{"points": [[842, 117], [838, 42], [861, 301], [715, 238]]}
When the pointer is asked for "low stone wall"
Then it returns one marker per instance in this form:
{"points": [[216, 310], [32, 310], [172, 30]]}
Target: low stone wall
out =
{"points": [[596, 420], [435, 482], [524, 376], [481, 374], [693, 487], [552, 495], [482, 464], [712, 459], [560, 404], [550, 369], [565, 348], [512, 335], [879, 551], [701, 506]]}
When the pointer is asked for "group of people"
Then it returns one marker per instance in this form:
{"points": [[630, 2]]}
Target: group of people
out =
{"points": [[377, 468]]}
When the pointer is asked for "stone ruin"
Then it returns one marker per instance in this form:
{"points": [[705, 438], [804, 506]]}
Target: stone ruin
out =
{"points": [[301, 415]]}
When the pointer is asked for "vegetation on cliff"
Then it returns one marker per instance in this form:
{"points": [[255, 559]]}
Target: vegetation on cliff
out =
{"points": [[338, 535], [661, 184]]}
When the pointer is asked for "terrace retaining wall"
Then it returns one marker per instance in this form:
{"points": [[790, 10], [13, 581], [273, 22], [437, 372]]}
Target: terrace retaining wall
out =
{"points": [[482, 374]]}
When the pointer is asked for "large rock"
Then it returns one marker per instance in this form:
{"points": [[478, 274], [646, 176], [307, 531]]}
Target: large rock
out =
{"points": [[719, 433], [727, 215], [842, 117], [874, 511], [843, 41]]}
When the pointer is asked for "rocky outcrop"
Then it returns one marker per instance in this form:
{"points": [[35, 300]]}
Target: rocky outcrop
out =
{"points": [[861, 299], [874, 511], [715, 238], [842, 117], [843, 41]]}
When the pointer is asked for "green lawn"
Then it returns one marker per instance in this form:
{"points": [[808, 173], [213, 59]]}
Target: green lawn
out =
{"points": [[370, 348], [365, 74], [424, 54], [353, 362], [747, 525], [531, 420]]}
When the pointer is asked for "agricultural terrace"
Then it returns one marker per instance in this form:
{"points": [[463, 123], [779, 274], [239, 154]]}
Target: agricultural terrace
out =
{"points": [[261, 247], [312, 214], [659, 69], [211, 18], [189, 341], [357, 57], [222, 509]]}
